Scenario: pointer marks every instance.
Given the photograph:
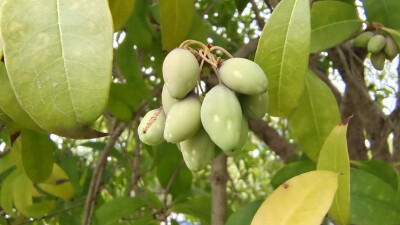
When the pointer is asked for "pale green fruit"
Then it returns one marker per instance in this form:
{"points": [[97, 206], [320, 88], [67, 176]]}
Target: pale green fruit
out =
{"points": [[167, 100], [180, 72], [243, 76], [376, 43], [221, 117], [378, 60], [362, 39], [255, 106], [243, 134], [391, 49], [183, 119], [151, 128], [198, 150]]}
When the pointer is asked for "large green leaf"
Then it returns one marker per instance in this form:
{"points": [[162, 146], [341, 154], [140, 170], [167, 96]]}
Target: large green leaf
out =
{"points": [[291, 170], [7, 187], [121, 10], [110, 212], [6, 162], [58, 56], [306, 198], [381, 169], [176, 20], [283, 52], [334, 156], [37, 155], [315, 117], [198, 206], [383, 11], [244, 214], [9, 103], [373, 202], [331, 23]]}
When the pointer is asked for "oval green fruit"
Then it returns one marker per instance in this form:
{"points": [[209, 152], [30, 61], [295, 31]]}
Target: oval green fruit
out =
{"points": [[362, 39], [378, 60], [198, 150], [180, 72], [243, 134], [376, 43], [151, 128], [183, 119], [243, 76], [221, 116], [255, 106], [391, 49], [167, 100]]}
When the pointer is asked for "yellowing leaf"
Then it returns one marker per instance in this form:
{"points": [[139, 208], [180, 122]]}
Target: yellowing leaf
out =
{"points": [[334, 156], [121, 10], [58, 56], [302, 200], [176, 20], [282, 53], [58, 184]]}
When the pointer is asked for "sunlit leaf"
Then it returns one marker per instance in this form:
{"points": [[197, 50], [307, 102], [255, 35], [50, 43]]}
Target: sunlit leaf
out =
{"points": [[37, 155], [315, 116], [58, 56], [373, 202], [110, 212], [6, 162], [176, 20], [283, 52], [244, 214], [331, 23], [7, 188], [121, 10], [58, 184], [334, 156], [304, 199], [290, 170], [383, 11]]}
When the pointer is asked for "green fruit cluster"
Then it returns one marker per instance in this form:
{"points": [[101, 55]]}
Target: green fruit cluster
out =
{"points": [[201, 124], [380, 46]]}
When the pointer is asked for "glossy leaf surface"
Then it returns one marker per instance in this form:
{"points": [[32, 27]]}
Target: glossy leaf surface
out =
{"points": [[383, 11]]}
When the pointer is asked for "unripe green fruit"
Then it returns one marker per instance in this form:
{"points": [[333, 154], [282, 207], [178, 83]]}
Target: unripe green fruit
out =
{"points": [[378, 60], [243, 76], [221, 117], [391, 49], [180, 72], [255, 106], [151, 128], [183, 119], [362, 39], [243, 134], [167, 100], [376, 43], [198, 150]]}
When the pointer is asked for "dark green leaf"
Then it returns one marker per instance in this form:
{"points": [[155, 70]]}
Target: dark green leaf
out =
{"points": [[381, 169], [110, 212], [373, 202], [138, 27], [383, 11], [197, 206], [291, 170], [316, 115], [331, 23], [176, 20], [241, 4], [37, 155], [245, 213], [283, 52], [146, 219], [199, 30]]}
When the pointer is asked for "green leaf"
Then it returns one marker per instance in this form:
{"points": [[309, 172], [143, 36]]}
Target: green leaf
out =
{"points": [[139, 28], [383, 11], [331, 23], [394, 33], [291, 170], [373, 202], [58, 184], [9, 103], [241, 4], [146, 219], [315, 117], [306, 198], [282, 53], [110, 212], [6, 162], [198, 206], [7, 187], [199, 29], [244, 214], [37, 155], [381, 169], [169, 159], [121, 10], [58, 56], [176, 20], [334, 156], [73, 169]]}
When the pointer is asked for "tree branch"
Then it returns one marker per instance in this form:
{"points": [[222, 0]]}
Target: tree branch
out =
{"points": [[219, 177], [260, 20]]}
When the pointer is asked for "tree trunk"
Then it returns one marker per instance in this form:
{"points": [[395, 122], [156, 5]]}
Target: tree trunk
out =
{"points": [[219, 177]]}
